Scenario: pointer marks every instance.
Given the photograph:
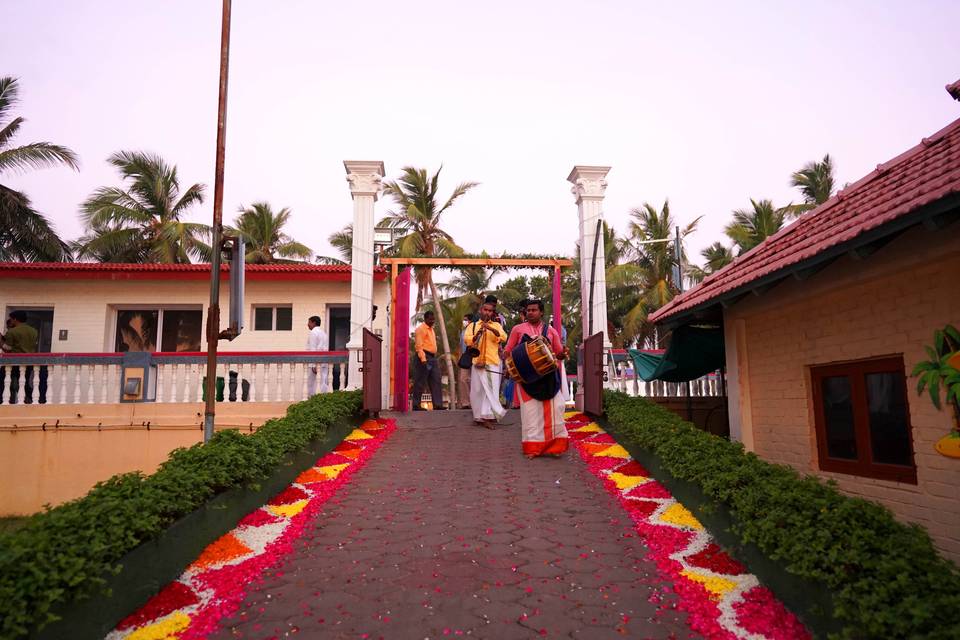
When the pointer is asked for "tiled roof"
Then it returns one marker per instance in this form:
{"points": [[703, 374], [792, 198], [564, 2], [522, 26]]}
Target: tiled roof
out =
{"points": [[887, 198], [954, 90], [122, 271]]}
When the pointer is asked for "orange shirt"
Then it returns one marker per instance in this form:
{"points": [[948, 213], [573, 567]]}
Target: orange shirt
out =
{"points": [[425, 339]]}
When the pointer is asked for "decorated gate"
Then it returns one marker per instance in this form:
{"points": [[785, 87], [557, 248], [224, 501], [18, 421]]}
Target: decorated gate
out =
{"points": [[370, 362], [593, 374]]}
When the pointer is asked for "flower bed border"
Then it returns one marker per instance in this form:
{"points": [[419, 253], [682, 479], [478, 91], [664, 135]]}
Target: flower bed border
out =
{"points": [[154, 564], [809, 600], [886, 578], [194, 498]]}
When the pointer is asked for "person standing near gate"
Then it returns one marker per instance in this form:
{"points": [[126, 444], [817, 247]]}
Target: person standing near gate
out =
{"points": [[486, 336], [316, 341], [428, 367], [541, 403]]}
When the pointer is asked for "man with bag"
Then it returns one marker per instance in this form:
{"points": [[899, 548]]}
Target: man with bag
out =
{"points": [[484, 338]]}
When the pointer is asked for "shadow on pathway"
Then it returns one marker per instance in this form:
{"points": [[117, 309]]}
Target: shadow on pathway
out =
{"points": [[449, 531]]}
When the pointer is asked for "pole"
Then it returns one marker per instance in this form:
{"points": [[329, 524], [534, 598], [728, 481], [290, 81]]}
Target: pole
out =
{"points": [[213, 314], [678, 254]]}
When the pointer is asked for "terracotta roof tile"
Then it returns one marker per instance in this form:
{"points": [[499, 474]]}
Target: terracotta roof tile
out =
{"points": [[920, 176]]}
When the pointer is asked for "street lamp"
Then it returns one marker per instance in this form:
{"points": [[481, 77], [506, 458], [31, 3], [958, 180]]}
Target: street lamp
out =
{"points": [[383, 238]]}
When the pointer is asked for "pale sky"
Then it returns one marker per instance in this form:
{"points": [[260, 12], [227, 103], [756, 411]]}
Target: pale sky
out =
{"points": [[706, 103]]}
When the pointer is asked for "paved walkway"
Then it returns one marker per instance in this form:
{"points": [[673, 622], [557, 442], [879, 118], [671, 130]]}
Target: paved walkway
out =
{"points": [[449, 531]]}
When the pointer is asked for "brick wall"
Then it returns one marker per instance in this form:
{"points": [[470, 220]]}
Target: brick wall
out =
{"points": [[887, 304]]}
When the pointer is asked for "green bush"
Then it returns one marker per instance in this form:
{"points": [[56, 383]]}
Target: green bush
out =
{"points": [[886, 577], [64, 552]]}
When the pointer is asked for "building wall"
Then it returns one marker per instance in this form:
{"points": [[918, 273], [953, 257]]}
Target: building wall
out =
{"points": [[86, 307], [94, 442], [889, 303]]}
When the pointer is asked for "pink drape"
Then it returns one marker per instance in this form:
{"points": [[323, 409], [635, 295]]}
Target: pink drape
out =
{"points": [[401, 343], [557, 322]]}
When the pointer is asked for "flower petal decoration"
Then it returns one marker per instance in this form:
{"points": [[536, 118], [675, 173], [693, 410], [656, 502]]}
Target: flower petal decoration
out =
{"points": [[722, 599], [215, 583]]}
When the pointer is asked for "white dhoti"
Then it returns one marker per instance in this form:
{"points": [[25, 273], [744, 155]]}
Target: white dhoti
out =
{"points": [[485, 394], [544, 428], [322, 371]]}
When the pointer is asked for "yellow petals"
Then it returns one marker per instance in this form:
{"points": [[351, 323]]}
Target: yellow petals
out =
{"points": [[288, 510], [166, 629], [719, 587], [358, 434], [626, 482], [678, 515], [593, 427], [333, 470], [613, 451]]}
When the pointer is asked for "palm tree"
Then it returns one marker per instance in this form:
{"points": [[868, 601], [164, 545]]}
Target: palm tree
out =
{"points": [[262, 231], [657, 254], [142, 219], [626, 303], [510, 293], [342, 241], [716, 257], [25, 234], [417, 218], [752, 226], [815, 181], [469, 286]]}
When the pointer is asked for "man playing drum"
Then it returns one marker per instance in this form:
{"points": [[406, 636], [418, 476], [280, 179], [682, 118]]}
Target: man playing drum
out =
{"points": [[541, 404], [486, 336]]}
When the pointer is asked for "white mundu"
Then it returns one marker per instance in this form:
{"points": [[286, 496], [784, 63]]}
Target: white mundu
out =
{"points": [[317, 341]]}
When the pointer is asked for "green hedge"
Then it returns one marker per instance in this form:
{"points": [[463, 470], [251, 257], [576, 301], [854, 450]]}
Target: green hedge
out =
{"points": [[65, 552], [886, 578]]}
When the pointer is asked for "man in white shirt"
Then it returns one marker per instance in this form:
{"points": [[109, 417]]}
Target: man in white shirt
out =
{"points": [[316, 341]]}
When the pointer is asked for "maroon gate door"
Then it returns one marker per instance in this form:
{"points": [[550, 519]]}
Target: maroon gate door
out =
{"points": [[370, 361], [593, 374]]}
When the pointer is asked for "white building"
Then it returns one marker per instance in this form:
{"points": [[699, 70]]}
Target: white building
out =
{"points": [[107, 308]]}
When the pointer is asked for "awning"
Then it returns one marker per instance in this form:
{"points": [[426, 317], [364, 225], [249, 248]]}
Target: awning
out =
{"points": [[694, 352]]}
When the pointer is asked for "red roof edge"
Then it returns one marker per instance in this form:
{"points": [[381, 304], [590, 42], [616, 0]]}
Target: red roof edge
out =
{"points": [[668, 310], [159, 271]]}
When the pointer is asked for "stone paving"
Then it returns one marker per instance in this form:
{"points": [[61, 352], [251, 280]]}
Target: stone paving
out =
{"points": [[449, 531]]}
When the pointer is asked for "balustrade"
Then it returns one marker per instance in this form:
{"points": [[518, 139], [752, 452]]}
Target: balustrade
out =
{"points": [[65, 378]]}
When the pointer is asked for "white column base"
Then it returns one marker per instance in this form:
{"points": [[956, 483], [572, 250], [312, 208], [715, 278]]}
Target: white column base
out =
{"points": [[354, 375]]}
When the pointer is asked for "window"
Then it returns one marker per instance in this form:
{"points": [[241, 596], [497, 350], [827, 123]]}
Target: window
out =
{"points": [[862, 419], [273, 318], [40, 319], [177, 329]]}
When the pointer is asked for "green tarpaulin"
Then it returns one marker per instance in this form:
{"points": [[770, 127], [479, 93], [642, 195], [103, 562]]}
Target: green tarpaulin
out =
{"points": [[693, 352]]}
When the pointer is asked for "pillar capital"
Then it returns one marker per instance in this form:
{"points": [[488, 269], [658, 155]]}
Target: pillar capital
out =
{"points": [[365, 177], [589, 183]]}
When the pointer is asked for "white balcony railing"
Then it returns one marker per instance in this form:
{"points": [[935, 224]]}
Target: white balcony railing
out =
{"points": [[78, 378]]}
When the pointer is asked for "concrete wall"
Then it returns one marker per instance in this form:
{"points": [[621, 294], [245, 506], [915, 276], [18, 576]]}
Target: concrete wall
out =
{"points": [[87, 308], [887, 304], [92, 443]]}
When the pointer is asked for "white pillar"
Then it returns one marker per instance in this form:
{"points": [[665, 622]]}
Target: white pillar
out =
{"points": [[365, 178], [589, 185]]}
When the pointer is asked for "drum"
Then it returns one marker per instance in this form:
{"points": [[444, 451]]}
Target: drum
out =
{"points": [[529, 361]]}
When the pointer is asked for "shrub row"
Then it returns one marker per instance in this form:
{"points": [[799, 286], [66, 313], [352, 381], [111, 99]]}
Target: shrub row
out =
{"points": [[65, 552], [886, 578]]}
